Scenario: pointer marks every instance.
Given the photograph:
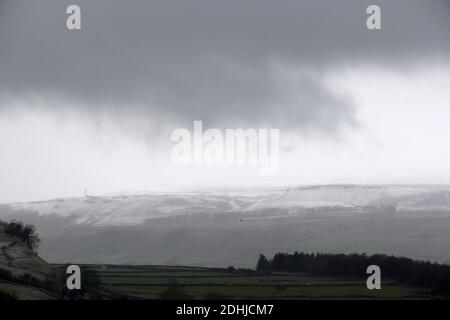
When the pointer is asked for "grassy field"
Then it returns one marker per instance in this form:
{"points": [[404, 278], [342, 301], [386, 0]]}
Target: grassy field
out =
{"points": [[24, 292], [153, 282]]}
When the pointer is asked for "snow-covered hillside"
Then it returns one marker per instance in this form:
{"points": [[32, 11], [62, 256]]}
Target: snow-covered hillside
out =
{"points": [[125, 209], [358, 196]]}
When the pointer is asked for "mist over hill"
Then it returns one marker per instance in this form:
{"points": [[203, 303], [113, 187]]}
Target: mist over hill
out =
{"points": [[218, 227]]}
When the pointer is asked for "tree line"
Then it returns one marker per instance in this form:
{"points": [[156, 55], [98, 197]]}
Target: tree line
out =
{"points": [[404, 270]]}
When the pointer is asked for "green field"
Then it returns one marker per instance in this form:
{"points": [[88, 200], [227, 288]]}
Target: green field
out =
{"points": [[25, 292], [151, 282]]}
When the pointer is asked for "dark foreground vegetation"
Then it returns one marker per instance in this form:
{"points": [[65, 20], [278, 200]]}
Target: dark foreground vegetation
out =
{"points": [[16, 268], [23, 232], [55, 284], [404, 270]]}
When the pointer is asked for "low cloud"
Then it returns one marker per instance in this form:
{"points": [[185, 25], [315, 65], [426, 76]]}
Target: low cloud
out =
{"points": [[228, 63]]}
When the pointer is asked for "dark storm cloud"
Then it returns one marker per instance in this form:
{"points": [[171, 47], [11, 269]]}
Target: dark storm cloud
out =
{"points": [[215, 61]]}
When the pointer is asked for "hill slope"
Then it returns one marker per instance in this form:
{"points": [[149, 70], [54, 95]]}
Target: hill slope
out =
{"points": [[20, 267], [217, 227], [135, 209]]}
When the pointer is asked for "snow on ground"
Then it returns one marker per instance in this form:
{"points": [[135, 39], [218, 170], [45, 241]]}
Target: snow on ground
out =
{"points": [[135, 208]]}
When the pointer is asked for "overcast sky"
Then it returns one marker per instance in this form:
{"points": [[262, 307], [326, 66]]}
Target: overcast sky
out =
{"points": [[94, 108]]}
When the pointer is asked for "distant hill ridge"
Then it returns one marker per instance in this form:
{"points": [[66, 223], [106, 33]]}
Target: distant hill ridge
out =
{"points": [[136, 208]]}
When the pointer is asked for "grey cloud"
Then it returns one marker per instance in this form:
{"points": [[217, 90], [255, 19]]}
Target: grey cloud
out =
{"points": [[209, 60]]}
